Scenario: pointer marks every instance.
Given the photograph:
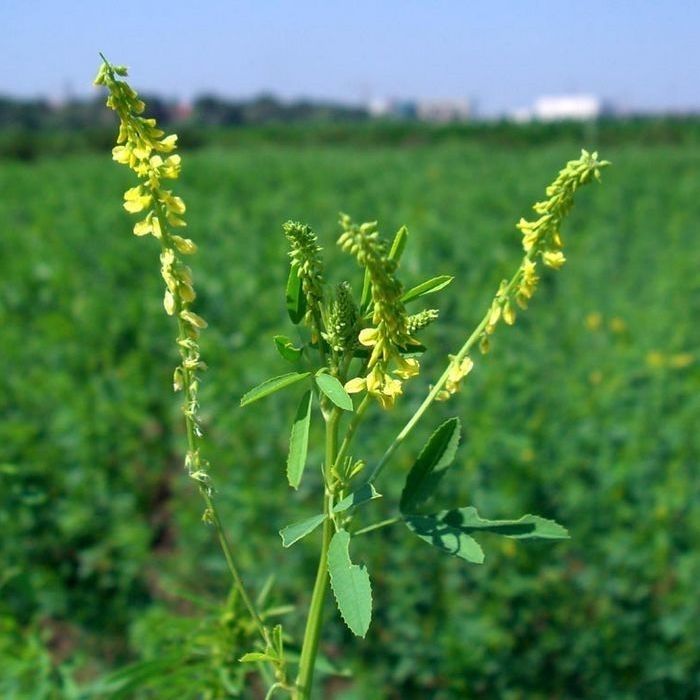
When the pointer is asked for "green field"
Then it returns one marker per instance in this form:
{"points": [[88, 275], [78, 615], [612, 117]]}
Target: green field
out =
{"points": [[586, 411]]}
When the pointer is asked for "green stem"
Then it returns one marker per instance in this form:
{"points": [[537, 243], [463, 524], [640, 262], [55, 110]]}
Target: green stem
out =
{"points": [[312, 633], [233, 570], [352, 429], [377, 526]]}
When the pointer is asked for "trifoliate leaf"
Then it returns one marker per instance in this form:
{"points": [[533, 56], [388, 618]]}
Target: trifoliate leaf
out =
{"points": [[269, 386], [299, 441], [294, 532], [428, 287], [333, 389], [430, 467], [350, 584]]}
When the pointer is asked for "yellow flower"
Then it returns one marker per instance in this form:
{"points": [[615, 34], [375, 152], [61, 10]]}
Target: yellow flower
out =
{"points": [[594, 321], [553, 258], [455, 374], [356, 385], [407, 367], [368, 337]]}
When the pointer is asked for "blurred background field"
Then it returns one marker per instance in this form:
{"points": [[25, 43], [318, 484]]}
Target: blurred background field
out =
{"points": [[586, 411]]}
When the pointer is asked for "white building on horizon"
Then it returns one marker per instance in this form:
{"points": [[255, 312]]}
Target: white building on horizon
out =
{"points": [[558, 107]]}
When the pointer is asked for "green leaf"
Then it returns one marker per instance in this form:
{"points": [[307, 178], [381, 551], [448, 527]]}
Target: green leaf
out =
{"points": [[431, 465], [365, 493], [269, 386], [253, 656], [435, 531], [350, 584], [399, 244], [333, 389], [299, 441], [366, 297], [428, 287], [294, 532], [529, 526], [285, 347], [296, 301]]}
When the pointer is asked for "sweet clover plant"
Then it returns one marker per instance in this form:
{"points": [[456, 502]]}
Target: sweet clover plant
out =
{"points": [[359, 342]]}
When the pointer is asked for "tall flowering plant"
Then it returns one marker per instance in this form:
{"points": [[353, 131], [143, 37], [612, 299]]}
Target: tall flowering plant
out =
{"points": [[356, 353]]}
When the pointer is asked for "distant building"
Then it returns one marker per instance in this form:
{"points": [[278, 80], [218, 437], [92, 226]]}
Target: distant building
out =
{"points": [[555, 108], [444, 111], [392, 109], [438, 111]]}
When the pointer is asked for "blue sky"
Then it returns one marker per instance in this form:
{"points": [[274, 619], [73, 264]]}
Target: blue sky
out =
{"points": [[503, 54]]}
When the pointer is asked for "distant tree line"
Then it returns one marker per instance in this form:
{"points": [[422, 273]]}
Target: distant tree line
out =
{"points": [[206, 110], [38, 128]]}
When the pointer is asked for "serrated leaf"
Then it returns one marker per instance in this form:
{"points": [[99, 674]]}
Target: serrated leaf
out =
{"points": [[399, 244], [365, 493], [294, 532], [433, 530], [428, 287], [269, 386], [529, 526], [431, 465], [351, 585], [295, 299], [333, 389], [299, 441], [285, 347]]}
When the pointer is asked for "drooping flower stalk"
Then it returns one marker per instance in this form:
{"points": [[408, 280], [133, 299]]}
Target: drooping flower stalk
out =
{"points": [[141, 146]]}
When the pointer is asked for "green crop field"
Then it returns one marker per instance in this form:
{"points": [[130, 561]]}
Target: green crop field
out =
{"points": [[586, 411]]}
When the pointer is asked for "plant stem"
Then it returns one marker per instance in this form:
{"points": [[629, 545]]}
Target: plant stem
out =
{"points": [[352, 428], [377, 526], [312, 633], [228, 555]]}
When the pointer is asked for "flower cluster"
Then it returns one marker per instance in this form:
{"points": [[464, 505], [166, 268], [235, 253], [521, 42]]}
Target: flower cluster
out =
{"points": [[390, 332], [457, 371], [342, 321], [541, 238], [141, 146], [417, 322], [306, 260]]}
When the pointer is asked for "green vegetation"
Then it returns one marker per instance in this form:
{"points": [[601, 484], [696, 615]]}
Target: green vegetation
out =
{"points": [[586, 415]]}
